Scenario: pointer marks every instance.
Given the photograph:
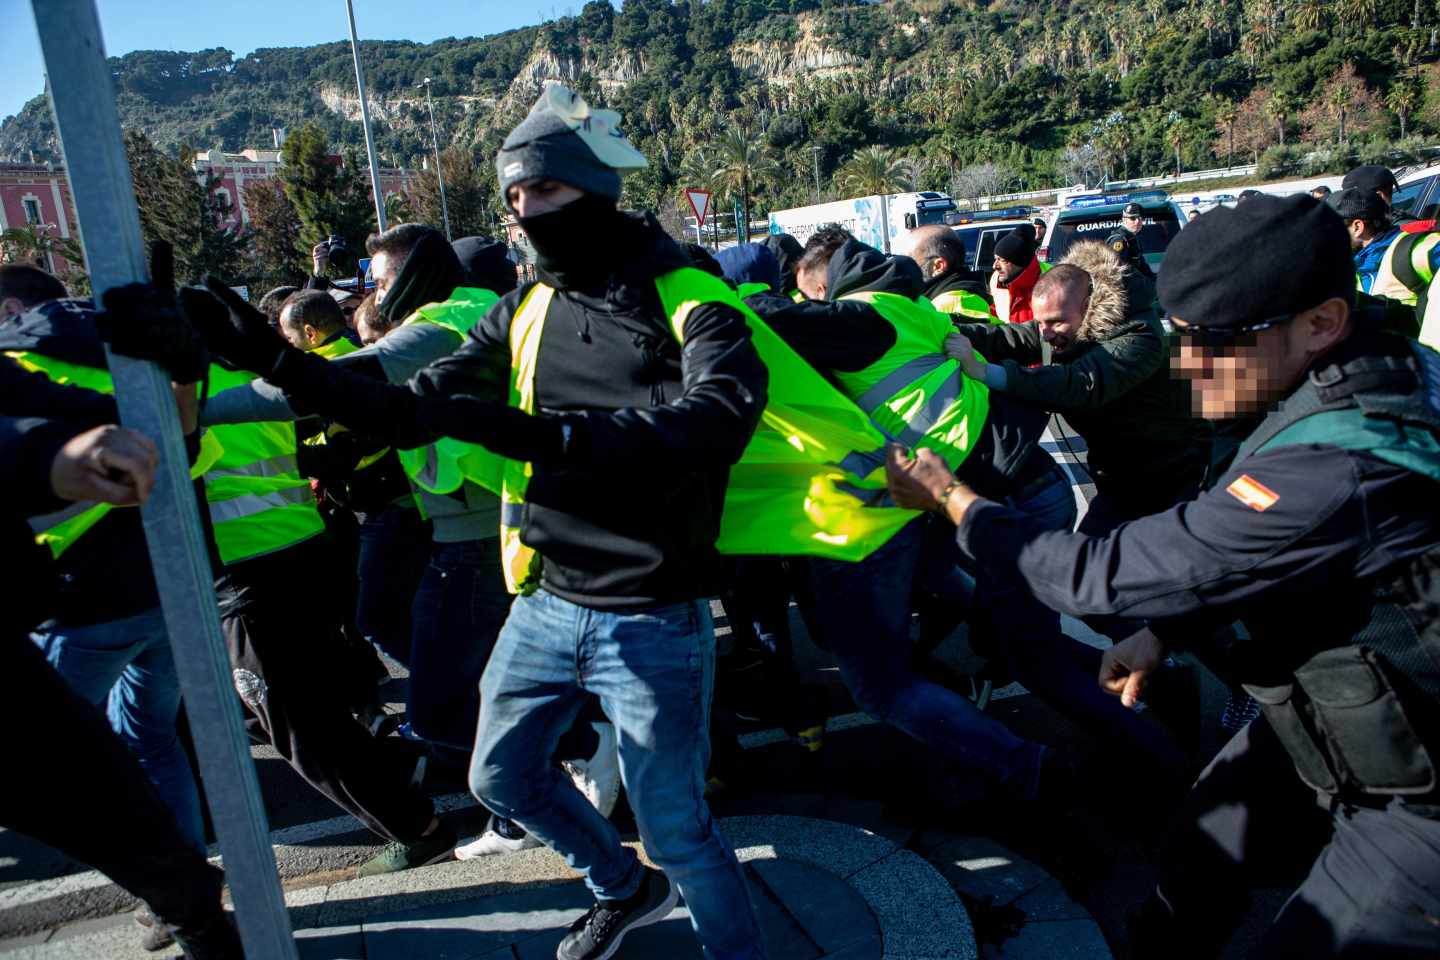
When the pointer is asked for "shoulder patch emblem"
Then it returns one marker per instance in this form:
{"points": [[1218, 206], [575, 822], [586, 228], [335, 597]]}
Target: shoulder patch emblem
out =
{"points": [[1252, 493]]}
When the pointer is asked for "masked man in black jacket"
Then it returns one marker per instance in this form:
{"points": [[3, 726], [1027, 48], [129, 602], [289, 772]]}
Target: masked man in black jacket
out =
{"points": [[620, 424]]}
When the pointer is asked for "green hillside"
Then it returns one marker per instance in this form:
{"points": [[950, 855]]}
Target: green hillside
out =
{"points": [[966, 96]]}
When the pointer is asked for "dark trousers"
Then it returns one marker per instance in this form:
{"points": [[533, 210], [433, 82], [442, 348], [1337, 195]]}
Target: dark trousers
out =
{"points": [[394, 552], [459, 609], [93, 803], [284, 647], [1367, 880]]}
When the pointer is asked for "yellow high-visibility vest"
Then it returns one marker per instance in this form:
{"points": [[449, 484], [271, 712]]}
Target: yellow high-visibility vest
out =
{"points": [[965, 304], [914, 392], [61, 529], [788, 495]]}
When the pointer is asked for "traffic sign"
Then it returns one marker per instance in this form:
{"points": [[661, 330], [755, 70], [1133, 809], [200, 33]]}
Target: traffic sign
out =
{"points": [[700, 203]]}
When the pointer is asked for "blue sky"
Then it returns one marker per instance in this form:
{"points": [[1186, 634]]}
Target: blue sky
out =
{"points": [[241, 27]]}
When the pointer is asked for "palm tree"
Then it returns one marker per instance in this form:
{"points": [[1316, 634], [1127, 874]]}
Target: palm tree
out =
{"points": [[1176, 137], [872, 170], [1277, 108], [1403, 99], [1309, 14], [741, 165]]}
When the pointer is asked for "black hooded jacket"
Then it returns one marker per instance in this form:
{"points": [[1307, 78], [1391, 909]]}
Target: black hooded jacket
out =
{"points": [[629, 515], [849, 335]]}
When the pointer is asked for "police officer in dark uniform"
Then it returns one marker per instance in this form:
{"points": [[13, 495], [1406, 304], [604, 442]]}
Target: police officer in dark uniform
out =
{"points": [[1126, 241], [1323, 538]]}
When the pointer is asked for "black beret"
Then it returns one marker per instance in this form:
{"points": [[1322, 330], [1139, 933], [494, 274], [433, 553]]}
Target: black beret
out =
{"points": [[1357, 203], [1133, 210], [1017, 246], [1266, 257], [1371, 177]]}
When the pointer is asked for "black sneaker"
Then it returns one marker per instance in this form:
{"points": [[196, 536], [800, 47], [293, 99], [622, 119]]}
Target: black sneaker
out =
{"points": [[597, 935]]}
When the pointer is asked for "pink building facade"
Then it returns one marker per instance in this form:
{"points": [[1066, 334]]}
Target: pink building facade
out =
{"points": [[38, 195], [235, 170]]}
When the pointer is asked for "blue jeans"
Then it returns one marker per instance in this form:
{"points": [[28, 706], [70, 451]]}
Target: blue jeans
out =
{"points": [[653, 671], [459, 609], [128, 661], [864, 612]]}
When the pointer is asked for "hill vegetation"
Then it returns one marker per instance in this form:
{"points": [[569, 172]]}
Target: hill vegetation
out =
{"points": [[790, 99]]}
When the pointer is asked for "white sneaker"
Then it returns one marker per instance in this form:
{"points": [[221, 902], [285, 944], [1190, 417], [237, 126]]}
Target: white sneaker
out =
{"points": [[598, 778], [492, 844]]}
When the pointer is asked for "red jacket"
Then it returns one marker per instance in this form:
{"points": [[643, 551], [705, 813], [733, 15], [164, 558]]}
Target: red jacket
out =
{"points": [[1012, 302]]}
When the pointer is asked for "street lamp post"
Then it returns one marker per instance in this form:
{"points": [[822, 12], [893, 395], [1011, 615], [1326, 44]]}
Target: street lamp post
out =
{"points": [[815, 156], [435, 145], [365, 122]]}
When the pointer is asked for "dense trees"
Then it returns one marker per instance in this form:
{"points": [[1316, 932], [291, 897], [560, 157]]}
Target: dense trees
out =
{"points": [[759, 99]]}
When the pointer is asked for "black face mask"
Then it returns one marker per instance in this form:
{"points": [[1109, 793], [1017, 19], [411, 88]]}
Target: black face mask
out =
{"points": [[573, 239]]}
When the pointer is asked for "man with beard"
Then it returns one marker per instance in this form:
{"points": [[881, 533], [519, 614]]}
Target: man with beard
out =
{"points": [[1016, 271], [948, 284]]}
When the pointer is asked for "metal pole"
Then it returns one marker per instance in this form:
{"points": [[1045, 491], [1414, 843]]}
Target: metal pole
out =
{"points": [[84, 104], [435, 144], [365, 122]]}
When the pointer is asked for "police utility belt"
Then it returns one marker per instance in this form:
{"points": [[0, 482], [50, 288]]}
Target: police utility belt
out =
{"points": [[1361, 722]]}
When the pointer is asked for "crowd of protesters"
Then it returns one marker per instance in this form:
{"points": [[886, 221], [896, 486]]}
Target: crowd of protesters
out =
{"points": [[526, 494]]}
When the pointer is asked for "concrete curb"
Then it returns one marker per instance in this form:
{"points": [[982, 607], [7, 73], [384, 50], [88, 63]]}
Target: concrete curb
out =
{"points": [[919, 915]]}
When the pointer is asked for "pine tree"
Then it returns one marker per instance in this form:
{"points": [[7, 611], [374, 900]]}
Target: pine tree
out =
{"points": [[327, 193], [276, 257], [176, 207], [469, 194]]}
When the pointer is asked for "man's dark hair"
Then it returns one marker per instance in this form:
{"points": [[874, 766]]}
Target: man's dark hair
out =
{"points": [[398, 241], [1061, 278], [313, 307], [821, 247], [28, 284], [273, 300], [942, 243]]}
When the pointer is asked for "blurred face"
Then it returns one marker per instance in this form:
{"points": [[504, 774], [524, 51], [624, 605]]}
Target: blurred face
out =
{"points": [[1133, 224], [1059, 314], [1192, 214], [530, 198], [1249, 373], [1006, 270]]}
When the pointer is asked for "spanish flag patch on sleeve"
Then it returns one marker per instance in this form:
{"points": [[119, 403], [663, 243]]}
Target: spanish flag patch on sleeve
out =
{"points": [[1252, 493]]}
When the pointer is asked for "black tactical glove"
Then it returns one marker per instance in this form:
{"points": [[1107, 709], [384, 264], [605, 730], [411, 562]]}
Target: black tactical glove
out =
{"points": [[144, 320], [233, 329]]}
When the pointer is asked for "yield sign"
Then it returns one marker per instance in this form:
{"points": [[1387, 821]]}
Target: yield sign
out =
{"points": [[700, 203]]}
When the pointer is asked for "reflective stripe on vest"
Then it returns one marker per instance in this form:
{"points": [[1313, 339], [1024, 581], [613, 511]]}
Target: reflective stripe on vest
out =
{"points": [[61, 529], [965, 304], [442, 467], [750, 289], [1430, 324], [788, 495], [1406, 279], [914, 392], [258, 501]]}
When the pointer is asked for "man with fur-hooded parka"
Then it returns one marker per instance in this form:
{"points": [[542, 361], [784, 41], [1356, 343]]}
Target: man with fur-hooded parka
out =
{"points": [[1110, 378]]}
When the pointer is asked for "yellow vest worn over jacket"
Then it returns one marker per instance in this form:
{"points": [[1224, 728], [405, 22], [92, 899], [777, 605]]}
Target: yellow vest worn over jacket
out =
{"points": [[259, 502], [966, 304], [1405, 271], [788, 495], [61, 529], [915, 393], [443, 466]]}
